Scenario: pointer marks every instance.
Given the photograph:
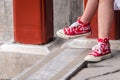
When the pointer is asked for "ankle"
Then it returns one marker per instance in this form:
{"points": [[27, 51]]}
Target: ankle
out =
{"points": [[80, 20], [83, 20], [103, 40]]}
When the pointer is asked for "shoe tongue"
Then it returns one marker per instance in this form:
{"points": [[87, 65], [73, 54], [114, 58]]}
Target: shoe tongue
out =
{"points": [[80, 22], [105, 40], [75, 24]]}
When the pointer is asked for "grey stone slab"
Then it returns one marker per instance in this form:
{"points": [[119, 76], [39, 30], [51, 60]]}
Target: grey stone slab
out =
{"points": [[110, 76], [2, 20], [102, 70], [9, 20], [84, 42], [6, 20], [8, 6], [55, 66], [12, 64], [2, 9], [6, 31], [45, 49], [36, 66], [5, 34], [92, 73], [72, 68]]}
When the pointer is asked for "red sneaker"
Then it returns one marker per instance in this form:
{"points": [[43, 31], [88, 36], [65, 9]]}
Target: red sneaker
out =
{"points": [[77, 29], [100, 51]]}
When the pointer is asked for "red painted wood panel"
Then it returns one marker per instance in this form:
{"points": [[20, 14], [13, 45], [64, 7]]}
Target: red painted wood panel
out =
{"points": [[33, 21]]}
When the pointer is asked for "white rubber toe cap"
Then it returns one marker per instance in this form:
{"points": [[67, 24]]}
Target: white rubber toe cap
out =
{"points": [[60, 33], [92, 58]]}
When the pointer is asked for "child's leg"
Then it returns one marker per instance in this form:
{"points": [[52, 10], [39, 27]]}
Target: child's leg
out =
{"points": [[82, 26], [102, 49], [90, 10], [105, 15]]}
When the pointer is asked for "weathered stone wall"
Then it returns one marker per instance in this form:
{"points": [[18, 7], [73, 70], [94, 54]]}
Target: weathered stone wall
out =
{"points": [[65, 12], [6, 20]]}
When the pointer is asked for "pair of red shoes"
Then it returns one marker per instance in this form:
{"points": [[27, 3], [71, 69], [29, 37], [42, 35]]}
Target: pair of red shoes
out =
{"points": [[78, 29]]}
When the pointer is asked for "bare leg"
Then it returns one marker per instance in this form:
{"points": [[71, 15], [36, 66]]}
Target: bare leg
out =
{"points": [[90, 10], [102, 49], [105, 15]]}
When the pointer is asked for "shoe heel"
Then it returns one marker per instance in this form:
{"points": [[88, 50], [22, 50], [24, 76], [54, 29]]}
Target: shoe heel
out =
{"points": [[107, 56]]}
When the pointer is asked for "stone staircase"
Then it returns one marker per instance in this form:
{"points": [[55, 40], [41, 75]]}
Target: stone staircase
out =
{"points": [[64, 61], [58, 65]]}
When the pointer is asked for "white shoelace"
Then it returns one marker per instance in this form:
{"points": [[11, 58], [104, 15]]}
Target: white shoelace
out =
{"points": [[75, 24], [97, 47]]}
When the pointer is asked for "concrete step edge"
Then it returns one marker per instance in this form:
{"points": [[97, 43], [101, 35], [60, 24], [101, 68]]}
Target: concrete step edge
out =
{"points": [[72, 68], [20, 48], [89, 43], [27, 72], [61, 66]]}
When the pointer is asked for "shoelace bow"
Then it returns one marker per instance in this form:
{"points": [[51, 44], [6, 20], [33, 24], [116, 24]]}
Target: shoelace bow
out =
{"points": [[74, 26], [97, 48]]}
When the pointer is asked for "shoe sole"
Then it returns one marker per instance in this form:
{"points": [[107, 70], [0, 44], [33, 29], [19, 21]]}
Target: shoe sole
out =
{"points": [[107, 56], [61, 35], [102, 58]]}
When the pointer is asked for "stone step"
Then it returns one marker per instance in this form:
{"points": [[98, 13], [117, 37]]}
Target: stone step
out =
{"points": [[44, 50], [89, 43], [108, 69], [36, 66], [12, 64], [58, 65]]}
